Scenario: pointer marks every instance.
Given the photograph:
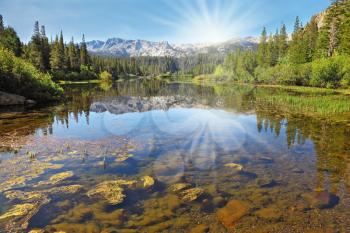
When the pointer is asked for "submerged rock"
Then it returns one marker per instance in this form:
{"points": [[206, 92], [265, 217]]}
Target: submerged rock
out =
{"points": [[192, 194], [264, 159], [235, 166], [200, 229], [112, 191], [24, 196], [124, 157], [270, 213], [17, 218], [148, 181], [60, 177], [232, 212], [70, 189], [321, 200], [18, 211], [8, 184], [37, 231], [179, 187], [267, 183]]}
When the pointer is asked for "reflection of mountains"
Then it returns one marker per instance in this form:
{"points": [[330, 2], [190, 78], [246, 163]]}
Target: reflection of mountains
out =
{"points": [[125, 104]]}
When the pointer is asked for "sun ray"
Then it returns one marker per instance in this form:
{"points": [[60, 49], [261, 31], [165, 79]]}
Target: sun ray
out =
{"points": [[206, 21]]}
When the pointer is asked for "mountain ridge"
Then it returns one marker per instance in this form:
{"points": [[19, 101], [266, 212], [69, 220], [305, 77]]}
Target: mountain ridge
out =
{"points": [[117, 47]]}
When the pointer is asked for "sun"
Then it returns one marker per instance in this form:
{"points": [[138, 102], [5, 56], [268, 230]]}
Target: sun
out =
{"points": [[207, 21]]}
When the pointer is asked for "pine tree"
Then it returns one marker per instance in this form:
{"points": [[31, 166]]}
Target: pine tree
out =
{"points": [[45, 49], [283, 42], [73, 56], [262, 49], [84, 59], [35, 55], [57, 55], [344, 29], [2, 27], [9, 39], [297, 25], [310, 37]]}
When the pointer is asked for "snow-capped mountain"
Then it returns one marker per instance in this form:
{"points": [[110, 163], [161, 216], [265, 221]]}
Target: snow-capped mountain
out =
{"points": [[134, 48]]}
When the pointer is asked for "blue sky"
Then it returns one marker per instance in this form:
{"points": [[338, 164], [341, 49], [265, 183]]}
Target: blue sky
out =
{"points": [[177, 21]]}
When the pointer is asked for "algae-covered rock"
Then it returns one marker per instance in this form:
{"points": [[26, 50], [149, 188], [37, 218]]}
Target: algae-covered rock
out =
{"points": [[270, 213], [321, 200], [60, 177], [179, 187], [200, 229], [70, 189], [17, 218], [24, 196], [124, 157], [25, 174], [8, 184], [157, 210], [57, 178], [234, 166], [148, 181], [233, 212], [112, 191], [18, 211], [37, 231], [192, 194]]}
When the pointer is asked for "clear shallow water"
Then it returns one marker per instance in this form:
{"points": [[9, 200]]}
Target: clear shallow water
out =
{"points": [[245, 164]]}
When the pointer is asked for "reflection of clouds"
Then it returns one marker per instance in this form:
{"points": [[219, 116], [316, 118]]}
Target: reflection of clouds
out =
{"points": [[202, 126], [177, 137]]}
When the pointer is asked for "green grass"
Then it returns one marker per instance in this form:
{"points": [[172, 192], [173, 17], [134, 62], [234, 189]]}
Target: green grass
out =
{"points": [[63, 82]]}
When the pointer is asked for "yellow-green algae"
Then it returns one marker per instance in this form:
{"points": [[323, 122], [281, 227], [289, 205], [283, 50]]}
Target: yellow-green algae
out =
{"points": [[112, 191]]}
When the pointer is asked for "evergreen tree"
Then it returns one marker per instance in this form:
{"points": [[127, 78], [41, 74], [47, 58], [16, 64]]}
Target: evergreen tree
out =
{"points": [[283, 42], [45, 49], [297, 25], [2, 27], [57, 55], [84, 57], [34, 46], [73, 56], [344, 30], [262, 49], [310, 37]]}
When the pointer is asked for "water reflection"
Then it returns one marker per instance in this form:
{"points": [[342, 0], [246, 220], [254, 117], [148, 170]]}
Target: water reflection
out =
{"points": [[282, 162]]}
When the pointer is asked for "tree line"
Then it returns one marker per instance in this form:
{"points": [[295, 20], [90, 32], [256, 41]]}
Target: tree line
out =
{"points": [[317, 54]]}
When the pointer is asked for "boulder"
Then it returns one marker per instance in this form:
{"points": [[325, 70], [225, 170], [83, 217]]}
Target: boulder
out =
{"points": [[321, 200], [7, 99], [192, 194], [234, 210]]}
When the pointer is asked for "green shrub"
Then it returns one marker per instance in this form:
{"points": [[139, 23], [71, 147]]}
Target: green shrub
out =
{"points": [[106, 76], [326, 73], [20, 77]]}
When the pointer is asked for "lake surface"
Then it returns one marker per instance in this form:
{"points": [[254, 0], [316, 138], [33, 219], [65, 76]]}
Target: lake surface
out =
{"points": [[150, 156]]}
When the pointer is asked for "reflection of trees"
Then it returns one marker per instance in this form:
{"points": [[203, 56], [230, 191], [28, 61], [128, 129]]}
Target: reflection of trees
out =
{"points": [[329, 133], [329, 136]]}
